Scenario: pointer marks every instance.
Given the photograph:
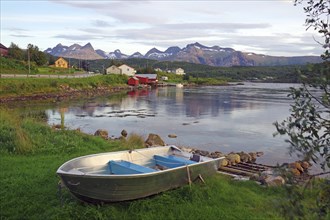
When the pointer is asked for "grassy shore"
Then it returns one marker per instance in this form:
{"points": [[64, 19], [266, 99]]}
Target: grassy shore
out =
{"points": [[28, 86], [31, 152]]}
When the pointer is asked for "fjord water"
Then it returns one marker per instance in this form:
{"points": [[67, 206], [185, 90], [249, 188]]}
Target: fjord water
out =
{"points": [[218, 118]]}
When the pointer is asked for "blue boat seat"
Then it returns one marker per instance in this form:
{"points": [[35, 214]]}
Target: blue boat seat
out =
{"points": [[171, 161], [122, 167]]}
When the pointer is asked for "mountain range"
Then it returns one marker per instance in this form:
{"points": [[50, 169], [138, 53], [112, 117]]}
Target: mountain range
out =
{"points": [[193, 53]]}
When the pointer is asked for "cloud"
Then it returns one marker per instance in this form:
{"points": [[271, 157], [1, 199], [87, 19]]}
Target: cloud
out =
{"points": [[20, 35], [17, 29], [77, 37], [101, 23]]}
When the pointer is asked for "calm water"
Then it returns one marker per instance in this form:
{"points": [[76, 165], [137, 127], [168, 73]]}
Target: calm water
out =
{"points": [[230, 118]]}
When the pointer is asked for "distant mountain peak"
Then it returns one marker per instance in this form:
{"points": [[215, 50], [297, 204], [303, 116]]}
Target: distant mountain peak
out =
{"points": [[173, 50], [193, 53], [88, 46], [75, 51], [136, 55], [154, 49]]}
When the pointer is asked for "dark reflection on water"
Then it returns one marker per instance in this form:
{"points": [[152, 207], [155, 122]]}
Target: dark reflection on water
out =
{"points": [[230, 118]]}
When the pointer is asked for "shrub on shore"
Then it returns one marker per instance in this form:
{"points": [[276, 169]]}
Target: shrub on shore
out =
{"points": [[13, 138]]}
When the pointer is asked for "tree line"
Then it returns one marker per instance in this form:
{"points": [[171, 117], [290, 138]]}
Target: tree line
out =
{"points": [[31, 54]]}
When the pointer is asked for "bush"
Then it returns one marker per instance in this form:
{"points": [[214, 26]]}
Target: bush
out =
{"points": [[13, 138], [133, 141]]}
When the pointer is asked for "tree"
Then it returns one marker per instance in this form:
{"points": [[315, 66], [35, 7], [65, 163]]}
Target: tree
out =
{"points": [[15, 52], [85, 65], [318, 18], [308, 126], [36, 56]]}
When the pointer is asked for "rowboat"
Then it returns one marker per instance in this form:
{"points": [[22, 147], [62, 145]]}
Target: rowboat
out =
{"points": [[133, 174]]}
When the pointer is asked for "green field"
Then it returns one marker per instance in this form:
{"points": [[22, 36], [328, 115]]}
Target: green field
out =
{"points": [[57, 71], [28, 86]]}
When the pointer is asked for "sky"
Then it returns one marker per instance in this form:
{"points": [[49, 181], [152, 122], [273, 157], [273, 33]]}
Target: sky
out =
{"points": [[270, 27]]}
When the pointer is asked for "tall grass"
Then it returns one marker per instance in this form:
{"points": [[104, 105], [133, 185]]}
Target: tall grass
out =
{"points": [[13, 138], [133, 141]]}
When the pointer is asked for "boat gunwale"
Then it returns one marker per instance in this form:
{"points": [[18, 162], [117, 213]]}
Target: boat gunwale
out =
{"points": [[158, 172], [79, 173]]}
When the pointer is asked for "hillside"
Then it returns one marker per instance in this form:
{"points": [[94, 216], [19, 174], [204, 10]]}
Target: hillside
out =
{"points": [[236, 73]]}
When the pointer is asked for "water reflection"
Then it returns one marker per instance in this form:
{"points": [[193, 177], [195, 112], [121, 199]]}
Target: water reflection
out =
{"points": [[231, 118]]}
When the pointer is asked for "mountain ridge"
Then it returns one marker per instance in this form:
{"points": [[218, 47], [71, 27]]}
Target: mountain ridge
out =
{"points": [[193, 53]]}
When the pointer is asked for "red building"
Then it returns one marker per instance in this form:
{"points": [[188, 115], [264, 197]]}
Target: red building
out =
{"points": [[133, 81], [3, 50], [150, 79]]}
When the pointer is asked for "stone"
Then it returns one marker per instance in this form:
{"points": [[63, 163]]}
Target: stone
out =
{"points": [[295, 172], [233, 158], [172, 136], [260, 153], [102, 133], [154, 140], [223, 163], [274, 181], [58, 126], [253, 156], [216, 154], [245, 157], [202, 152], [124, 133], [296, 165], [305, 165]]}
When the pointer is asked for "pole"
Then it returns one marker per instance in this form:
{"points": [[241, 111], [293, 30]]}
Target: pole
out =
{"points": [[29, 60]]}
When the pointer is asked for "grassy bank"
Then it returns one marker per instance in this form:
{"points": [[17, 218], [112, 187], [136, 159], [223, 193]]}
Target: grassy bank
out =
{"points": [[31, 152], [28, 86]]}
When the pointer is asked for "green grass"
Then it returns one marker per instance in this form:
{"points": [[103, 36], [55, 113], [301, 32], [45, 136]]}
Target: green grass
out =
{"points": [[28, 86], [29, 184], [56, 71], [12, 66]]}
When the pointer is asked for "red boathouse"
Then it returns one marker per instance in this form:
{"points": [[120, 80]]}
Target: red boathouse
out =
{"points": [[133, 81]]}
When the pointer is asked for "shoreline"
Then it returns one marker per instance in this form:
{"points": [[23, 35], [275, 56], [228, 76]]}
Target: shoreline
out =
{"points": [[64, 95]]}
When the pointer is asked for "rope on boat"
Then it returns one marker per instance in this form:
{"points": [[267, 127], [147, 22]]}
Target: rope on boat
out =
{"points": [[189, 178]]}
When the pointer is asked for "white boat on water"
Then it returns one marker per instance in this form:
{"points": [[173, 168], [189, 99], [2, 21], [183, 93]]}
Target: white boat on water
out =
{"points": [[133, 174], [179, 85]]}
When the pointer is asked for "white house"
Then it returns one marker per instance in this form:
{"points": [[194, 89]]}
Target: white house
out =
{"points": [[179, 71], [164, 78], [113, 70], [127, 70]]}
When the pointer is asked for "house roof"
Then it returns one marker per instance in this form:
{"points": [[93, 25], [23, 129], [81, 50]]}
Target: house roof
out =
{"points": [[149, 76], [112, 66], [125, 65], [61, 58], [3, 47]]}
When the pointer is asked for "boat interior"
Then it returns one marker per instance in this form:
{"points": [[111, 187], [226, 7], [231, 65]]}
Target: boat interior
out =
{"points": [[123, 167], [131, 162]]}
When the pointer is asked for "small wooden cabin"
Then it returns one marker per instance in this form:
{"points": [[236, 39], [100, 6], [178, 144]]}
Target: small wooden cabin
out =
{"points": [[133, 81], [60, 62]]}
